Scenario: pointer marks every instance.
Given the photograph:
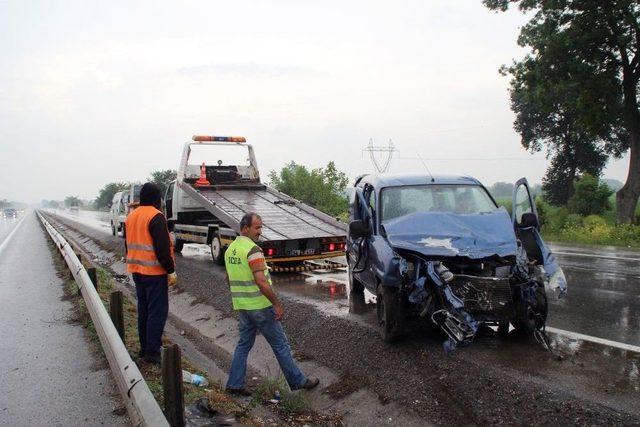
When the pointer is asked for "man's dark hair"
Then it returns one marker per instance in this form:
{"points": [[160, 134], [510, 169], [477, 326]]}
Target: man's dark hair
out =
{"points": [[247, 219], [150, 194]]}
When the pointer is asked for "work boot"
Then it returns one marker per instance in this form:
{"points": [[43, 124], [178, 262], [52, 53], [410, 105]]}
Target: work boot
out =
{"points": [[311, 383], [153, 360]]}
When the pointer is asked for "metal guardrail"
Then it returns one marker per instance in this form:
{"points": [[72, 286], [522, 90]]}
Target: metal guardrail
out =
{"points": [[141, 405]]}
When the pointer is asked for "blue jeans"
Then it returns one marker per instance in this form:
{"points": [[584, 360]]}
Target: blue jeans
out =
{"points": [[264, 320], [153, 308]]}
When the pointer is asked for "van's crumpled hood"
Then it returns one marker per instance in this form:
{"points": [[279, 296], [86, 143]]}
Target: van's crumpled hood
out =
{"points": [[448, 234]]}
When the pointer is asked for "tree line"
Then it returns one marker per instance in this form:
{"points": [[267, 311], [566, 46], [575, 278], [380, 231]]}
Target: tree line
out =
{"points": [[106, 193], [575, 94]]}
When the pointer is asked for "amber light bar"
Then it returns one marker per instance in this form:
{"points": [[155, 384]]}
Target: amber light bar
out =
{"points": [[206, 138]]}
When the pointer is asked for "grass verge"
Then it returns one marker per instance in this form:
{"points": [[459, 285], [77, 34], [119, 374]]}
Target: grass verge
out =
{"points": [[151, 373]]}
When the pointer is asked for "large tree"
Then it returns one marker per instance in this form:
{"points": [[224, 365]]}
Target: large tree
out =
{"points": [[107, 192], [554, 111], [72, 201], [595, 45], [322, 188]]}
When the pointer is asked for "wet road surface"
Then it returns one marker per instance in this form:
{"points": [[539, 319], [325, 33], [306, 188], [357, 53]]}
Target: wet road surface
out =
{"points": [[49, 375], [7, 225]]}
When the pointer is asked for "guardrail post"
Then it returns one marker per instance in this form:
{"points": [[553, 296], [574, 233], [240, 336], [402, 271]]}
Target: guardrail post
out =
{"points": [[93, 275], [172, 385], [116, 312]]}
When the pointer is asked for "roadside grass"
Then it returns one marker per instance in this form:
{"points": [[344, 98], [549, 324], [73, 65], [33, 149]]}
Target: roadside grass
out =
{"points": [[152, 374], [292, 406], [290, 403]]}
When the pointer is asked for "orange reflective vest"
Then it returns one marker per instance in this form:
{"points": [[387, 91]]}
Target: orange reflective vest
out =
{"points": [[141, 258]]}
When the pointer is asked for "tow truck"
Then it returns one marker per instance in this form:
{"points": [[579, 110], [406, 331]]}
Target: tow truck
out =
{"points": [[218, 182]]}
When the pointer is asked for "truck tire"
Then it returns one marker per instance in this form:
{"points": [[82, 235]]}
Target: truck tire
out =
{"points": [[391, 313], [178, 246], [217, 250], [113, 229]]}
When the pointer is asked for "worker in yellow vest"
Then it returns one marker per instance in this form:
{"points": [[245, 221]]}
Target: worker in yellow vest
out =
{"points": [[258, 307], [151, 264]]}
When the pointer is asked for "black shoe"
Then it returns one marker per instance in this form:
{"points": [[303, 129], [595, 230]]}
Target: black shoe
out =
{"points": [[153, 360], [238, 391], [311, 383]]}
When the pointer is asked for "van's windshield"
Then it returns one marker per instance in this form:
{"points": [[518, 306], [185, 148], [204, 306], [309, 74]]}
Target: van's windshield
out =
{"points": [[461, 199]]}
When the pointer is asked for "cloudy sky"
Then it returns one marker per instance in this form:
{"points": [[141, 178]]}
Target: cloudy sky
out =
{"points": [[93, 92]]}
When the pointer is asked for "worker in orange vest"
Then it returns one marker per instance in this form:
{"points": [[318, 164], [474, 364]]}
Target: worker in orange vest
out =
{"points": [[151, 262]]}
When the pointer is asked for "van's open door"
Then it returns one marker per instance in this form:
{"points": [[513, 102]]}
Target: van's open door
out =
{"points": [[527, 227]]}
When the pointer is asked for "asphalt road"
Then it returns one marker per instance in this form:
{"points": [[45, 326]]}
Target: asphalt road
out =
{"points": [[49, 374]]}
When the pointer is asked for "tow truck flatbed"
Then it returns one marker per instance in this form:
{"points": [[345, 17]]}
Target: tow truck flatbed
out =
{"points": [[208, 200]]}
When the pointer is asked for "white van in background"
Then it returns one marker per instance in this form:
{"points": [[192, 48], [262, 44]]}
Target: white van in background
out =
{"points": [[117, 210], [122, 203]]}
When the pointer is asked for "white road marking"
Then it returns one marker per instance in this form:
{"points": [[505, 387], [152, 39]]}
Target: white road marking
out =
{"points": [[621, 258], [5, 242], [602, 341]]}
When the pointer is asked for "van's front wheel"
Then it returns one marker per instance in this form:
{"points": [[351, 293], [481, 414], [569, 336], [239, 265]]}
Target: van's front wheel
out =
{"points": [[391, 313]]}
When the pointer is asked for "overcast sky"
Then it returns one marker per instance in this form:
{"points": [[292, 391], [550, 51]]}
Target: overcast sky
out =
{"points": [[93, 92]]}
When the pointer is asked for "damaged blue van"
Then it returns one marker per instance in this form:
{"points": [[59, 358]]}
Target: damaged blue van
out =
{"points": [[439, 247]]}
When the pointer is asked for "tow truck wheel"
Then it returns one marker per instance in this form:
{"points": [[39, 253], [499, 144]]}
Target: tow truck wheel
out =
{"points": [[217, 251], [178, 246], [390, 310]]}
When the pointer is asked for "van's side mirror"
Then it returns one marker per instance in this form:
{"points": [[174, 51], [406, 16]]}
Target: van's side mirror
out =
{"points": [[359, 228]]}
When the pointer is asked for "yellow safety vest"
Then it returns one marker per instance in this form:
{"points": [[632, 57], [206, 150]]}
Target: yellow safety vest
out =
{"points": [[245, 293]]}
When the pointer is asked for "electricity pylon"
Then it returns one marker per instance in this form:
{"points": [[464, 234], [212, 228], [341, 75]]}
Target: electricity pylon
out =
{"points": [[373, 149]]}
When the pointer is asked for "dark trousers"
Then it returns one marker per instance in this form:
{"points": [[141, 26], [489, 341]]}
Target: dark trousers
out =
{"points": [[153, 309]]}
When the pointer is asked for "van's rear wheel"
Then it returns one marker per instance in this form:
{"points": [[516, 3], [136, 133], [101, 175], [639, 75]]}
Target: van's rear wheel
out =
{"points": [[391, 313], [178, 246], [217, 250], [113, 229]]}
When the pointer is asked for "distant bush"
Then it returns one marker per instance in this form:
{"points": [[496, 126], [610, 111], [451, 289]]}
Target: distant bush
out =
{"points": [[590, 196]]}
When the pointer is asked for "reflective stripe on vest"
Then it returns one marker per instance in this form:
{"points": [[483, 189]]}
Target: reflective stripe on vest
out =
{"points": [[245, 293], [141, 257]]}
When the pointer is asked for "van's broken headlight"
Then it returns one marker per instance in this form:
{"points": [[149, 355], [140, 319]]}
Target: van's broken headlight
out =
{"points": [[403, 266], [445, 274]]}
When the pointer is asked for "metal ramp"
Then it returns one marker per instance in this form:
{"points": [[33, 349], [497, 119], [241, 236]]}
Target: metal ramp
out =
{"points": [[284, 218]]}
